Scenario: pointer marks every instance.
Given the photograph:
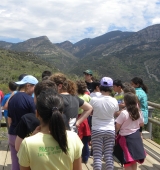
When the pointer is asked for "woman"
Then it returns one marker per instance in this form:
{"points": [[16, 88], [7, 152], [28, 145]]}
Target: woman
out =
{"points": [[128, 124], [20, 104], [53, 147], [103, 129], [72, 102]]}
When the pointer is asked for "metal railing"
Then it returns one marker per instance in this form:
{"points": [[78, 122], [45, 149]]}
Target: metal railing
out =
{"points": [[151, 107]]}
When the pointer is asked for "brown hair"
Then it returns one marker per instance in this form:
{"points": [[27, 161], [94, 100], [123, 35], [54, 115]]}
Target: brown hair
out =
{"points": [[81, 87], [67, 85], [131, 102]]}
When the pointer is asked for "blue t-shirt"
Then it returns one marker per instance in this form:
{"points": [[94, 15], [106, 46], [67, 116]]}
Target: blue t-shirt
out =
{"points": [[6, 97], [19, 105]]}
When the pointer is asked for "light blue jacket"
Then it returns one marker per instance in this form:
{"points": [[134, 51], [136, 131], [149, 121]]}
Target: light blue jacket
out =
{"points": [[142, 96]]}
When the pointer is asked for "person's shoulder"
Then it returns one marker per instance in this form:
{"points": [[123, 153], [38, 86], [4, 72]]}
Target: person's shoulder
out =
{"points": [[29, 116], [6, 96], [71, 135]]}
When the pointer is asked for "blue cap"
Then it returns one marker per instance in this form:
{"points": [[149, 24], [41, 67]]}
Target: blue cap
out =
{"points": [[106, 81], [28, 79]]}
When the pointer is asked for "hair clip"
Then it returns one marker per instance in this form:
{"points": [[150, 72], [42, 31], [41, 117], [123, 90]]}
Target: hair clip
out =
{"points": [[54, 108]]}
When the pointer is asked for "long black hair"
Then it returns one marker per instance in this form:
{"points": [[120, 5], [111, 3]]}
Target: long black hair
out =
{"points": [[50, 108], [131, 101], [138, 81]]}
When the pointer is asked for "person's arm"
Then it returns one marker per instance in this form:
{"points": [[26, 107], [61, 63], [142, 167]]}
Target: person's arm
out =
{"points": [[87, 109], [24, 168], [5, 107], [141, 124], [18, 143], [77, 164], [117, 127], [9, 121]]}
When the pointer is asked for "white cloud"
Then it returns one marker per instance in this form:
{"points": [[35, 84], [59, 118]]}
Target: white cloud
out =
{"points": [[74, 19], [156, 21]]}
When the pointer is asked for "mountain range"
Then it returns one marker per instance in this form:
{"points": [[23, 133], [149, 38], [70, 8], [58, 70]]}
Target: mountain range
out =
{"points": [[117, 54]]}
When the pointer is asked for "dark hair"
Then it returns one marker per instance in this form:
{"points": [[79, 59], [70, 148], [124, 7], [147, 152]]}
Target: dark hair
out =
{"points": [[106, 89], [81, 87], [19, 79], [21, 76], [118, 83], [131, 102], [12, 86], [50, 107], [138, 81], [45, 78], [96, 83], [46, 73], [43, 85]]}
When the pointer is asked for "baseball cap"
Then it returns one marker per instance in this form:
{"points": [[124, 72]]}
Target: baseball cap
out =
{"points": [[88, 72], [106, 81], [28, 79]]}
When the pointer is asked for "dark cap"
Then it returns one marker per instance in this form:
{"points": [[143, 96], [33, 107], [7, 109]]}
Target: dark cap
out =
{"points": [[88, 72]]}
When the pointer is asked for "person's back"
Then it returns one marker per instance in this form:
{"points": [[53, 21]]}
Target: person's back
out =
{"points": [[104, 108], [12, 88], [46, 149], [19, 105], [53, 147]]}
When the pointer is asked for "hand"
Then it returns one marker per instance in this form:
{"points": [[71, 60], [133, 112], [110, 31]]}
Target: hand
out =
{"points": [[77, 124]]}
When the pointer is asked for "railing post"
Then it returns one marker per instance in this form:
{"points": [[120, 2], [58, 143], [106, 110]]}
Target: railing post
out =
{"points": [[149, 126]]}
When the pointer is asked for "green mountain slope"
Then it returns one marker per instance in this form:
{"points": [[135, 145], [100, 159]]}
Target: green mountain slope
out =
{"points": [[44, 49], [15, 63]]}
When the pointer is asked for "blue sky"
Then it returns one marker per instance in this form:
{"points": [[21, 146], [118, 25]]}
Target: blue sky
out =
{"points": [[73, 20]]}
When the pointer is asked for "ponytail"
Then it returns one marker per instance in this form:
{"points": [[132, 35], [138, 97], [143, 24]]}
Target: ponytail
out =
{"points": [[57, 129], [50, 107], [131, 103]]}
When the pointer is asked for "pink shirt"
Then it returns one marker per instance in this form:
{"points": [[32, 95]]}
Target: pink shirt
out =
{"points": [[128, 125]]}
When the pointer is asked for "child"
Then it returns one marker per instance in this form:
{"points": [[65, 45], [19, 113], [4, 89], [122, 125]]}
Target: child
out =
{"points": [[103, 129], [117, 87], [141, 92], [53, 147], [84, 129], [96, 92], [12, 87], [128, 124]]}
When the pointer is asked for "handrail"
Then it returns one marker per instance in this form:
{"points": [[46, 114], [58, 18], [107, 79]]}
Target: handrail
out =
{"points": [[154, 121], [151, 107], [155, 105]]}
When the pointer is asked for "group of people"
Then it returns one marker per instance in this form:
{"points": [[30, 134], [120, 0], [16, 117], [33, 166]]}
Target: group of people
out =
{"points": [[51, 123]]}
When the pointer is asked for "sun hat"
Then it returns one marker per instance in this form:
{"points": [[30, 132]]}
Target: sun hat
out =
{"points": [[106, 81], [28, 79], [88, 72]]}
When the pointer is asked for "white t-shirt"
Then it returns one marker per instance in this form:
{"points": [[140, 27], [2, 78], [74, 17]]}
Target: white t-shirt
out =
{"points": [[104, 108], [95, 94], [128, 125]]}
